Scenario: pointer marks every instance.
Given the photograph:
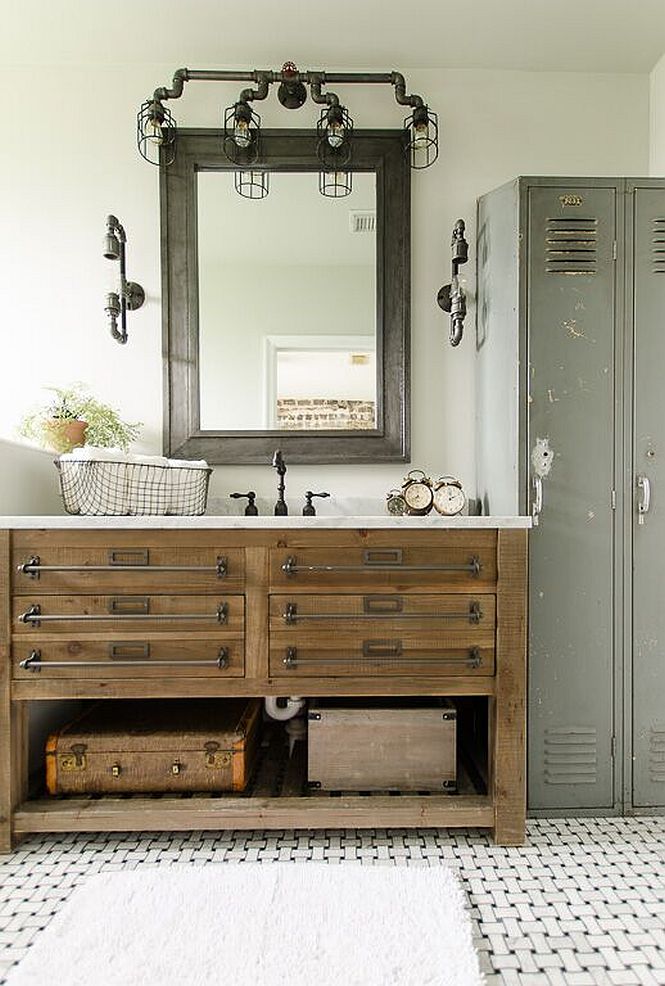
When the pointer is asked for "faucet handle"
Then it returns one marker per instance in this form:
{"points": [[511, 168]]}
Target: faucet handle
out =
{"points": [[251, 509], [308, 510]]}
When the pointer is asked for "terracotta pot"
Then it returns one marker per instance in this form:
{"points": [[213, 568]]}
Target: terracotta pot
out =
{"points": [[64, 434]]}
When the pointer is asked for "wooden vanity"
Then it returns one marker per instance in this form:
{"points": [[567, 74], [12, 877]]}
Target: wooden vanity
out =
{"points": [[197, 607]]}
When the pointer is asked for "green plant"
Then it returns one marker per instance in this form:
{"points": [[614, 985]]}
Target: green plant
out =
{"points": [[75, 403]]}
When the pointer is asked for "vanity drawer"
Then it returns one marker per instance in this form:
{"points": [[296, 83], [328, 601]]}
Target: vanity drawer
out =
{"points": [[351, 656], [132, 570], [375, 614], [194, 656], [139, 614], [445, 567]]}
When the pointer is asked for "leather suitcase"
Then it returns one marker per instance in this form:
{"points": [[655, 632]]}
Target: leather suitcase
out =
{"points": [[155, 746], [374, 747]]}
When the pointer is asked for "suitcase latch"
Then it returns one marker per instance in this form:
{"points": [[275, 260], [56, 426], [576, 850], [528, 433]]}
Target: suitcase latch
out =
{"points": [[74, 760], [215, 758], [116, 770], [176, 767]]}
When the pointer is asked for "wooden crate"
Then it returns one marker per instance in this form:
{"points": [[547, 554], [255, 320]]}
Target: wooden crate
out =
{"points": [[156, 746], [377, 748]]}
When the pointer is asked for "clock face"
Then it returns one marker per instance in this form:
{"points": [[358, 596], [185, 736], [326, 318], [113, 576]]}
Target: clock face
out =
{"points": [[418, 496], [396, 504], [449, 500]]}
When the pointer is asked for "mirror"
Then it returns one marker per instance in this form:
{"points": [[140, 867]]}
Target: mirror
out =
{"points": [[308, 314], [286, 318]]}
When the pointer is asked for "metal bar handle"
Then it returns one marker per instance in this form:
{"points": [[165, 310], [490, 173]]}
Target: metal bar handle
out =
{"points": [[291, 567], [644, 503], [472, 659], [34, 663], [35, 617], [33, 568], [291, 615], [537, 503]]}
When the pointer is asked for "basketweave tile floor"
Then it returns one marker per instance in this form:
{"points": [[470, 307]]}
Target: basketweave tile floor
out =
{"points": [[582, 904]]}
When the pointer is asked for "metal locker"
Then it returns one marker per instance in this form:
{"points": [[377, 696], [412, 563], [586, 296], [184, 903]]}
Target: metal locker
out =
{"points": [[571, 317], [548, 300], [648, 480]]}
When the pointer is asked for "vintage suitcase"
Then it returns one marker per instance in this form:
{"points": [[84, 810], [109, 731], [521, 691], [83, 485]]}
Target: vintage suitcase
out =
{"points": [[155, 746], [379, 747]]}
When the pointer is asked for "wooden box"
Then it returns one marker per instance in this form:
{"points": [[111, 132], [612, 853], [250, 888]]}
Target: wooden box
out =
{"points": [[411, 747], [156, 746]]}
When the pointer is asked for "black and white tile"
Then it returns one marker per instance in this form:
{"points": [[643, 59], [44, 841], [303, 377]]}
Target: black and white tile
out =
{"points": [[582, 904]]}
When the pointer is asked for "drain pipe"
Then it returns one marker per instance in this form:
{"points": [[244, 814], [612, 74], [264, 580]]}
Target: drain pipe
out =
{"points": [[293, 706]]}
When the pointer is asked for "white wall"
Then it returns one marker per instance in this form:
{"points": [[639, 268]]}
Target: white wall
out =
{"points": [[657, 119], [67, 157]]}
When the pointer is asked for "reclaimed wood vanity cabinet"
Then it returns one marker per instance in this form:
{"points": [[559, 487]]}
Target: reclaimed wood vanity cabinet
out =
{"points": [[213, 607]]}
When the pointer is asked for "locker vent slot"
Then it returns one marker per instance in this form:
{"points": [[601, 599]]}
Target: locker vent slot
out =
{"points": [[571, 246], [657, 755], [571, 755], [658, 247]]}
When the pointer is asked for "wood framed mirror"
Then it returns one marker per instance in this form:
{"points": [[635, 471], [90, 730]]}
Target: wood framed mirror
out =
{"points": [[286, 320]]}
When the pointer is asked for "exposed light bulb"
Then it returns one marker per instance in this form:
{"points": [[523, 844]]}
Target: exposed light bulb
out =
{"points": [[153, 131], [335, 134], [241, 133], [421, 135]]}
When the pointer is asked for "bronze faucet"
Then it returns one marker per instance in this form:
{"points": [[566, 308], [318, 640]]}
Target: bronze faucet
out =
{"points": [[281, 509]]}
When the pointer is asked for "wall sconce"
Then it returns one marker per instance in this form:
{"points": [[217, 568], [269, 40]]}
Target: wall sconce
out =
{"points": [[130, 295], [452, 297], [157, 132]]}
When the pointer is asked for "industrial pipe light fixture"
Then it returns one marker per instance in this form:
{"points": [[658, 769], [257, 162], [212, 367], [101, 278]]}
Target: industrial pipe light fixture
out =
{"points": [[452, 297], [157, 129], [130, 295]]}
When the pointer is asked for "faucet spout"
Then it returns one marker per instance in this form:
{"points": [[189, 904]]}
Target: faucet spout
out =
{"points": [[281, 509]]}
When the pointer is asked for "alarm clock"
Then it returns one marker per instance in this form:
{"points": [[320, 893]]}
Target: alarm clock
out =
{"points": [[418, 493], [449, 497], [395, 504]]}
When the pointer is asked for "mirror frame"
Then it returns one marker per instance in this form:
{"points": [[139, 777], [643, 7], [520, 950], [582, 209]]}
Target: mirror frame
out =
{"points": [[379, 151]]}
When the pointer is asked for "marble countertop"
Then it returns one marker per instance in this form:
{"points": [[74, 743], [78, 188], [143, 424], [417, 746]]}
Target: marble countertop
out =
{"points": [[219, 522]]}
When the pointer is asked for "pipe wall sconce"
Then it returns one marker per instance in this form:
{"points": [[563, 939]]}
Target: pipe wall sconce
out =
{"points": [[129, 295], [451, 297], [156, 132]]}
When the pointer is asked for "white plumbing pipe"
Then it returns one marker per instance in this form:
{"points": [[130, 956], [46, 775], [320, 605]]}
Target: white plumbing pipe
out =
{"points": [[293, 706]]}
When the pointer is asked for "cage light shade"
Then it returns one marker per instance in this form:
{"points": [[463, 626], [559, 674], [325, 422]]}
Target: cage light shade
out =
{"points": [[333, 137], [422, 128], [252, 184], [335, 184], [242, 134], [156, 132]]}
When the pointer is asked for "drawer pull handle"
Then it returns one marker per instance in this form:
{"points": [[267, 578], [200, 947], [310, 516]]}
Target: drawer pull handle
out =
{"points": [[35, 617], [33, 568], [34, 663], [291, 567], [291, 615], [472, 658]]}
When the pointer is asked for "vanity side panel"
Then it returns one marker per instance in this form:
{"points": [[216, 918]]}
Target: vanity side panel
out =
{"points": [[498, 364], [13, 716]]}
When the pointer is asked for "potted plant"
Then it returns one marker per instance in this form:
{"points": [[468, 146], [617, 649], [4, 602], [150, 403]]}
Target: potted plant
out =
{"points": [[74, 418]]}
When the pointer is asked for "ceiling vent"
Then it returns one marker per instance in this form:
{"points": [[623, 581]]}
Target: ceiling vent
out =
{"points": [[362, 222]]}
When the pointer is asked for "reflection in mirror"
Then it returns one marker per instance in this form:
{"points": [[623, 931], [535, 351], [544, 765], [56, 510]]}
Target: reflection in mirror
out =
{"points": [[287, 306]]}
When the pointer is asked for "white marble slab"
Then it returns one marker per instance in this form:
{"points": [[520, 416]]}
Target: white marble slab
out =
{"points": [[218, 522]]}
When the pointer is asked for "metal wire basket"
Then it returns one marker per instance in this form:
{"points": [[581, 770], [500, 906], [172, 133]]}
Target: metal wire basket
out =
{"points": [[105, 488]]}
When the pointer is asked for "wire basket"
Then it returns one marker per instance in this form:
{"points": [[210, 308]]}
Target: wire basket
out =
{"points": [[106, 488]]}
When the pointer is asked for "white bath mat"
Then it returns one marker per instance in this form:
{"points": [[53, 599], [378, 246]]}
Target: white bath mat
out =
{"points": [[252, 924]]}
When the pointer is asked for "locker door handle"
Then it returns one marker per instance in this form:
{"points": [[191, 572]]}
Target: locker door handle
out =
{"points": [[537, 502], [644, 502]]}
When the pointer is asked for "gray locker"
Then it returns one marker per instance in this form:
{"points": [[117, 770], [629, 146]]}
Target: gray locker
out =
{"points": [[647, 218], [568, 283]]}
